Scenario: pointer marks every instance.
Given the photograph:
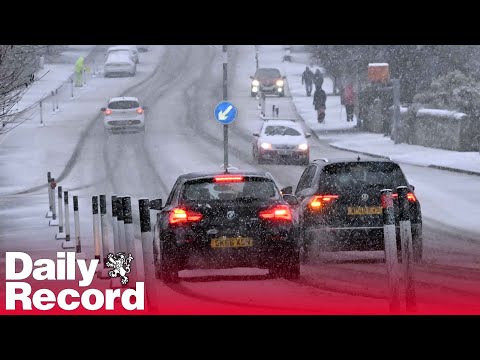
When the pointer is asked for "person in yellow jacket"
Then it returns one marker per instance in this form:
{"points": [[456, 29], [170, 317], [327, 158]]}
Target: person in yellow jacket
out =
{"points": [[79, 69]]}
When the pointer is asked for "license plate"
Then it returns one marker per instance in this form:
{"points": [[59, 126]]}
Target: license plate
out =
{"points": [[283, 152], [231, 242], [365, 210]]}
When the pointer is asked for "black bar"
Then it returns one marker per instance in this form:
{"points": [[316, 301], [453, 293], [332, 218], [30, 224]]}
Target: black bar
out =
{"points": [[387, 205], [75, 203], [144, 205], [114, 206], [49, 177], [127, 210], [103, 204], [118, 201], [94, 205], [65, 197], [403, 206]]}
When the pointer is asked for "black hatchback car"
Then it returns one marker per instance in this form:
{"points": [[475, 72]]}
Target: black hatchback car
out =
{"points": [[340, 205], [224, 220]]}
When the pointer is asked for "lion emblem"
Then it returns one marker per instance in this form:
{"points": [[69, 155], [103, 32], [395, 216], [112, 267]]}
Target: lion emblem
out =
{"points": [[120, 264]]}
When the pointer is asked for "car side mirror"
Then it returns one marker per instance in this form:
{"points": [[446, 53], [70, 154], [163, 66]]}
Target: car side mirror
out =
{"points": [[156, 204], [256, 134], [290, 199], [307, 135], [284, 77], [287, 190], [251, 77], [145, 107], [103, 109], [413, 187]]}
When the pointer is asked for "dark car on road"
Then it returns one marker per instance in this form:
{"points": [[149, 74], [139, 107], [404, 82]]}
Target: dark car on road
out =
{"points": [[268, 81], [225, 220], [340, 205]]}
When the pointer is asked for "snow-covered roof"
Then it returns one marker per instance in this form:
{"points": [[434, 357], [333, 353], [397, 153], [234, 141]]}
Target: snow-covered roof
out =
{"points": [[378, 64], [441, 113]]}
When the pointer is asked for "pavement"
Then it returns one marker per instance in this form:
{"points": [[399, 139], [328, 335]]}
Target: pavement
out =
{"points": [[345, 136]]}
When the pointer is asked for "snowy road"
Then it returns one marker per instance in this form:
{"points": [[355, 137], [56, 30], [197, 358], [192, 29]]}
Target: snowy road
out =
{"points": [[182, 136]]}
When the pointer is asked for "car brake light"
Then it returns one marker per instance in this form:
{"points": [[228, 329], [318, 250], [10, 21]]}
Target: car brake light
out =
{"points": [[140, 110], [410, 197], [279, 212], [108, 112], [318, 201], [177, 216], [228, 178]]}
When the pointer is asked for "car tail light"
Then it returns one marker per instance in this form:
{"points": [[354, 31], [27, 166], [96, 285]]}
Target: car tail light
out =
{"points": [[228, 178], [140, 110], [178, 215], [410, 197], [319, 201], [279, 212], [108, 112]]}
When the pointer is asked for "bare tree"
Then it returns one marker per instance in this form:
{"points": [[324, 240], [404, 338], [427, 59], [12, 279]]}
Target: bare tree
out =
{"points": [[18, 64]]}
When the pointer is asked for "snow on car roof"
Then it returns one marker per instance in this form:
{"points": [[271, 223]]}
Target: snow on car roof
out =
{"points": [[123, 98], [289, 123]]}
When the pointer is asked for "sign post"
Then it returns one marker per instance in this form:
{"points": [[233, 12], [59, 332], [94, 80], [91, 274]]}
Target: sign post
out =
{"points": [[225, 113]]}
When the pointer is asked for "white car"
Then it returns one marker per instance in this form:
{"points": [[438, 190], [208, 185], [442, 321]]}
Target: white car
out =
{"points": [[124, 115], [281, 140], [132, 49], [118, 64]]}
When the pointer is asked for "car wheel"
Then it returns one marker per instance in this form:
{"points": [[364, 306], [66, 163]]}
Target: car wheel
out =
{"points": [[166, 267], [252, 94], [282, 94], [305, 161], [305, 247]]}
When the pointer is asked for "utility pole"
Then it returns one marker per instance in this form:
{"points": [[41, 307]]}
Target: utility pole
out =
{"points": [[396, 110], [225, 97]]}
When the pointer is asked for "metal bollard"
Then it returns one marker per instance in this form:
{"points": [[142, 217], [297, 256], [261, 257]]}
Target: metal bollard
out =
{"points": [[56, 99], [273, 110], [53, 101], [71, 87], [49, 189], [116, 245], [407, 248], [60, 235], [263, 103], [41, 113], [122, 245], [84, 76], [67, 244], [96, 231], [276, 111], [53, 221], [147, 271], [103, 225], [390, 239], [76, 218], [129, 237]]}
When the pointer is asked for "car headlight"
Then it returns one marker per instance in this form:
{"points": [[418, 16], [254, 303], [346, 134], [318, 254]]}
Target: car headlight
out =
{"points": [[266, 146], [279, 83], [255, 83], [303, 147]]}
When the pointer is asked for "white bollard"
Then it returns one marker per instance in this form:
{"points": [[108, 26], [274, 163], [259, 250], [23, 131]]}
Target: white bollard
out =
{"points": [[391, 259], [129, 235], [49, 189], [122, 245], [67, 244], [116, 245], [76, 219], [53, 221], [407, 248], [96, 230], [104, 230], [61, 234]]}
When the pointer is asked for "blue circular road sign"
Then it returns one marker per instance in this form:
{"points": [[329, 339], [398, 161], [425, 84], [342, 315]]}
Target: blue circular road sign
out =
{"points": [[225, 113]]}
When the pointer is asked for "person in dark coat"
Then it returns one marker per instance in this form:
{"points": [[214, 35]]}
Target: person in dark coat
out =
{"points": [[319, 102], [318, 79], [307, 79], [348, 100]]}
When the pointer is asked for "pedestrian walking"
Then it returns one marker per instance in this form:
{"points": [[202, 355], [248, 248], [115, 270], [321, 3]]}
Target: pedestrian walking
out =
{"points": [[307, 80], [319, 102], [348, 100]]}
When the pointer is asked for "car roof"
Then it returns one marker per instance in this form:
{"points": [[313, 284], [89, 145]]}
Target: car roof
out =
{"points": [[211, 174], [123, 98], [356, 159], [120, 47], [265, 68], [289, 123]]}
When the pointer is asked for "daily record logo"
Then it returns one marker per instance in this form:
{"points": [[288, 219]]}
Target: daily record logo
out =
{"points": [[80, 295]]}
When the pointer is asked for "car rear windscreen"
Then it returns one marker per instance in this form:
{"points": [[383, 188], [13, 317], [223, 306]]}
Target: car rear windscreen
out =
{"points": [[267, 73], [337, 177], [123, 104], [251, 188]]}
